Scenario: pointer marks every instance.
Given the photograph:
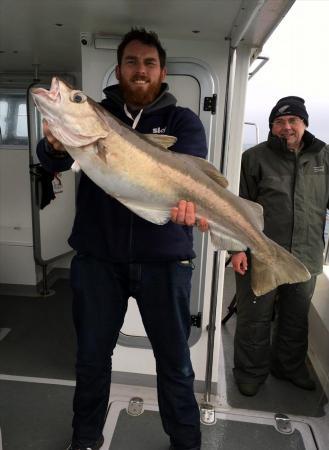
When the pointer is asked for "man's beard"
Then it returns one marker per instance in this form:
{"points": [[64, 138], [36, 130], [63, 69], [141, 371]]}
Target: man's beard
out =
{"points": [[140, 97]]}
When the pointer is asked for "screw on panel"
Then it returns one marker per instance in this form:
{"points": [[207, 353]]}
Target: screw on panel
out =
{"points": [[207, 414], [135, 406], [283, 424]]}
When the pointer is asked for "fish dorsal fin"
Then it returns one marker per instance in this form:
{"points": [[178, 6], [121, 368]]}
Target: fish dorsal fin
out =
{"points": [[211, 171], [257, 212], [157, 216], [164, 140]]}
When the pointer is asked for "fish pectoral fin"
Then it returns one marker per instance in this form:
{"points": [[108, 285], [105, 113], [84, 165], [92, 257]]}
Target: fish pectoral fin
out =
{"points": [[100, 151], [156, 216], [164, 140]]}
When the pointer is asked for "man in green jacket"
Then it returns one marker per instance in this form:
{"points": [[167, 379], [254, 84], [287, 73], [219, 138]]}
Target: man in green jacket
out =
{"points": [[289, 176]]}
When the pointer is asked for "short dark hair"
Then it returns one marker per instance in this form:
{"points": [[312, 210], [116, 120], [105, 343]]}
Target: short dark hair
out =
{"points": [[146, 38]]}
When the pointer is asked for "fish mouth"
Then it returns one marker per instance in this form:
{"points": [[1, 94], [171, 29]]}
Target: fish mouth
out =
{"points": [[52, 94], [47, 100]]}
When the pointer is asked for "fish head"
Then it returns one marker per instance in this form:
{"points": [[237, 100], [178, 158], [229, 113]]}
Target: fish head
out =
{"points": [[73, 118]]}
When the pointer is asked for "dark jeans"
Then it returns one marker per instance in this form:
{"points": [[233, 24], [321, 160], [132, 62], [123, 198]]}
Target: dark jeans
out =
{"points": [[254, 353], [162, 290]]}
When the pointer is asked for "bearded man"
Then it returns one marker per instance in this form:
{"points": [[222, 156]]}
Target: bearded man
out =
{"points": [[120, 255]]}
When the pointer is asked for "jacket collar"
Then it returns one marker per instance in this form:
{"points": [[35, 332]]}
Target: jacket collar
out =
{"points": [[311, 143]]}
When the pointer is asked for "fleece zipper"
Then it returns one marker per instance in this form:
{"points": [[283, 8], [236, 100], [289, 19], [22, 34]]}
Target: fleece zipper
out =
{"points": [[133, 126]]}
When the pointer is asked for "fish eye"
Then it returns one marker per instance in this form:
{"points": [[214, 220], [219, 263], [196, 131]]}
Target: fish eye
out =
{"points": [[78, 97]]}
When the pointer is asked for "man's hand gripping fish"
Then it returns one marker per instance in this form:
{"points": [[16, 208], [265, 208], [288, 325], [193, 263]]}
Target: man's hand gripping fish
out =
{"points": [[140, 172]]}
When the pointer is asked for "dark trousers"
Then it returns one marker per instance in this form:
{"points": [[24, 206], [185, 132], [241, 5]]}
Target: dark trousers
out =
{"points": [[100, 296], [254, 353]]}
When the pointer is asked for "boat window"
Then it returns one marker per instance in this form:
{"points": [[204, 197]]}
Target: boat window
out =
{"points": [[3, 115], [21, 128], [13, 119]]}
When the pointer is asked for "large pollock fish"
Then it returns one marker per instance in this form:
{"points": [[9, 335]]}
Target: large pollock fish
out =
{"points": [[141, 173]]}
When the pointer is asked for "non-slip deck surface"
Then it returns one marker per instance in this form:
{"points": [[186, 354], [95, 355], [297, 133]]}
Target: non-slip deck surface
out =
{"points": [[41, 341], [145, 432], [35, 416]]}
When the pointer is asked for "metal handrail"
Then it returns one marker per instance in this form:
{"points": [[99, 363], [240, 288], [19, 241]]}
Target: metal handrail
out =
{"points": [[264, 60], [256, 129], [215, 271]]}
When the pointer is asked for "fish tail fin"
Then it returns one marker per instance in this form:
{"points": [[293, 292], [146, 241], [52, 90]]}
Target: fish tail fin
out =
{"points": [[283, 268]]}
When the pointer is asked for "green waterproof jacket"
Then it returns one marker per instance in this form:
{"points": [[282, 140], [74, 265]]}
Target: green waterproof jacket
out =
{"points": [[294, 192]]}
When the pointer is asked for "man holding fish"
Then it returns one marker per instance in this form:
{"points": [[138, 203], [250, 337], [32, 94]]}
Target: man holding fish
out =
{"points": [[121, 249], [119, 255]]}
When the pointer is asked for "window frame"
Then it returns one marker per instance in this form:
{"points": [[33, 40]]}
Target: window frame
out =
{"points": [[19, 142]]}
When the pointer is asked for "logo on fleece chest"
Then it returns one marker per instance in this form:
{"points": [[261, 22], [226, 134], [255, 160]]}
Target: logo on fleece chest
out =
{"points": [[159, 130]]}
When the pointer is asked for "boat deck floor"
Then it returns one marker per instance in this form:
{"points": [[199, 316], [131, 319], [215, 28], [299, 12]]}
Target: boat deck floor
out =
{"points": [[37, 351]]}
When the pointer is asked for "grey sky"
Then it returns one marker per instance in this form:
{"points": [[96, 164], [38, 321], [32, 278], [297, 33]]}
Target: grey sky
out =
{"points": [[298, 65]]}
